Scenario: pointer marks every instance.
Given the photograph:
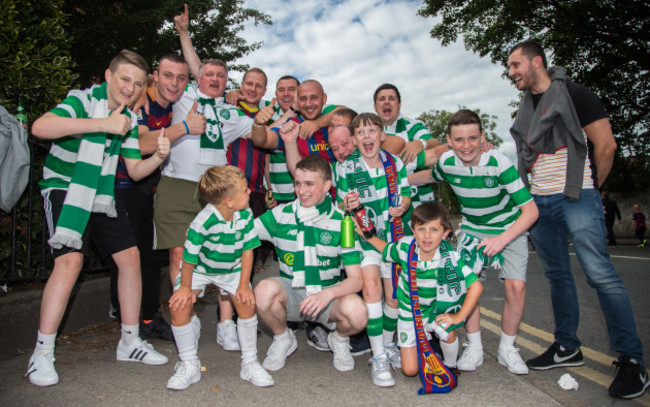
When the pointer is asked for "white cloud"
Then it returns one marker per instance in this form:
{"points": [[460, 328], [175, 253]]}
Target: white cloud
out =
{"points": [[352, 47]]}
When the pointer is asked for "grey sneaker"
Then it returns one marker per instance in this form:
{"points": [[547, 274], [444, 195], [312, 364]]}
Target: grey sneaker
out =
{"points": [[393, 354], [227, 335], [381, 371], [186, 374], [279, 351], [343, 360], [40, 369], [471, 358], [317, 337], [256, 374]]}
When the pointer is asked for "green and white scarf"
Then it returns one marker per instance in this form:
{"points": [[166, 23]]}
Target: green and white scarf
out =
{"points": [[211, 141], [474, 257], [92, 182], [306, 270]]}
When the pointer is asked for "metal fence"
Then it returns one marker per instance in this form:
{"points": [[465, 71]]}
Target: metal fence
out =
{"points": [[25, 255]]}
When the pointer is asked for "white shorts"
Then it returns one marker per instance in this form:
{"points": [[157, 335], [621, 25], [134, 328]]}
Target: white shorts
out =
{"points": [[295, 297], [373, 258], [406, 336], [227, 283]]}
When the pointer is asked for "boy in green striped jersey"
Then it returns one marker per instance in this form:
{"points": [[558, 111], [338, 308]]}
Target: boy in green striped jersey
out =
{"points": [[219, 251], [369, 177], [89, 130], [448, 275], [497, 211], [307, 234]]}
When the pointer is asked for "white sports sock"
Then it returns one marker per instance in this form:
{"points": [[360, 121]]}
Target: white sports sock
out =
{"points": [[247, 334], [475, 340], [130, 333], [450, 352], [507, 341], [376, 342], [185, 342], [45, 342], [284, 335], [392, 313]]}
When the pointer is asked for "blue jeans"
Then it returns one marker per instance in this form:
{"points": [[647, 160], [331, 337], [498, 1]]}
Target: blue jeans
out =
{"points": [[582, 221]]}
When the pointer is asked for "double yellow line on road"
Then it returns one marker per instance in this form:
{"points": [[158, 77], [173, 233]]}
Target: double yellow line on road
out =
{"points": [[587, 373]]}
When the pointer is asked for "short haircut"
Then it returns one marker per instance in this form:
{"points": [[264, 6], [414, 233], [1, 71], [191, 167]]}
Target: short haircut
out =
{"points": [[316, 163], [386, 86], [257, 70], [463, 116], [128, 57], [637, 207], [430, 211], [366, 119], [172, 58], [346, 112], [219, 182], [285, 77], [313, 81], [217, 62], [531, 49]]}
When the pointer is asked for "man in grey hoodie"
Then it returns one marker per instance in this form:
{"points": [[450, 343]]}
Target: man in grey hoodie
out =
{"points": [[566, 146]]}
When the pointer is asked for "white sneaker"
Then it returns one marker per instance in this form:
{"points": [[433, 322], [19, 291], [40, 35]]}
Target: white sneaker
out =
{"points": [[510, 358], [186, 374], [40, 369], [279, 351], [140, 351], [256, 374], [471, 358], [381, 371], [227, 335], [343, 360], [393, 355]]}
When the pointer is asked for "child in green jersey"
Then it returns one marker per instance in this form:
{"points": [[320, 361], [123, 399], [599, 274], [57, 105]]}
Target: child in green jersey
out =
{"points": [[447, 289], [219, 251], [497, 212], [375, 178]]}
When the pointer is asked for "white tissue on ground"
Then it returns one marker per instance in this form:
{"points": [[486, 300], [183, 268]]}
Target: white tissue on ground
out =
{"points": [[567, 382]]}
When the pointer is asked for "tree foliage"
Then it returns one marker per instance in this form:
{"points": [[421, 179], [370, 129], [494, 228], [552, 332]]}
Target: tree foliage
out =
{"points": [[35, 62], [604, 44], [436, 122], [101, 29]]}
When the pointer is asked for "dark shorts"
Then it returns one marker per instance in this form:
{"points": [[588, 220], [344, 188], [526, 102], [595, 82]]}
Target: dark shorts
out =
{"points": [[112, 234]]}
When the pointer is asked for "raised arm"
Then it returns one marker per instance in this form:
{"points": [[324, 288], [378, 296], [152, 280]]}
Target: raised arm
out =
{"points": [[289, 133], [182, 24], [50, 126]]}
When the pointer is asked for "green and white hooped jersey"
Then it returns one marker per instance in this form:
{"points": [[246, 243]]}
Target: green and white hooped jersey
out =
{"points": [[489, 194], [279, 226], [373, 197], [441, 289], [61, 159], [216, 245], [408, 129], [279, 175], [419, 193]]}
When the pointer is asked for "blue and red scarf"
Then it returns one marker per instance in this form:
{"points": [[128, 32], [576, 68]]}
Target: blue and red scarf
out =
{"points": [[396, 225], [435, 376]]}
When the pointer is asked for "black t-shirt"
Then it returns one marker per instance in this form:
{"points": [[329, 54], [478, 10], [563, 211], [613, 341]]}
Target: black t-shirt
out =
{"points": [[589, 108]]}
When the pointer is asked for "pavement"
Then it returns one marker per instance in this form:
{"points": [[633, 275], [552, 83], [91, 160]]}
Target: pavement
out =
{"points": [[90, 374]]}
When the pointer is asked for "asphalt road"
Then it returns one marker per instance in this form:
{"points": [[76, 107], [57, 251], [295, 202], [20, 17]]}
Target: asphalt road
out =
{"points": [[90, 375]]}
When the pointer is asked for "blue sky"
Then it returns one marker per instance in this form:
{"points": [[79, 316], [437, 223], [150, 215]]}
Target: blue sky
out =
{"points": [[352, 47]]}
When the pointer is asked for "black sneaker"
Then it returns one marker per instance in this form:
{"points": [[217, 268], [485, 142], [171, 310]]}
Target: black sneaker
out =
{"points": [[631, 379], [359, 344], [556, 356], [157, 328]]}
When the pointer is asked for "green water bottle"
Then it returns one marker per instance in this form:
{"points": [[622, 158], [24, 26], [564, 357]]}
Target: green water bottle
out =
{"points": [[347, 231], [21, 116]]}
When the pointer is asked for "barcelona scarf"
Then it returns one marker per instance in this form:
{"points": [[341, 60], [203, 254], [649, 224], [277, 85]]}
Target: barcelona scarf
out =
{"points": [[396, 225], [435, 376]]}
